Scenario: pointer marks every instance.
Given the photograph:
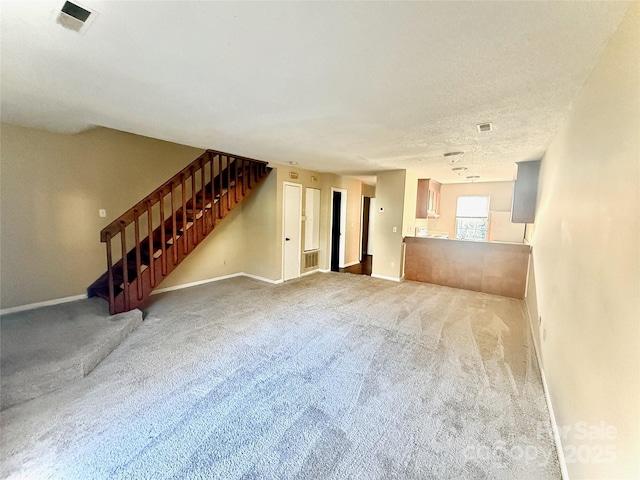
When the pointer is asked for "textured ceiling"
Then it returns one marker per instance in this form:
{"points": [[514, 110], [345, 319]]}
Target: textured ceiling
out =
{"points": [[336, 86]]}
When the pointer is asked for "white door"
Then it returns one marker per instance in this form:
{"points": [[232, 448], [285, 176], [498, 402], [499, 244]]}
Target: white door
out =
{"points": [[291, 224]]}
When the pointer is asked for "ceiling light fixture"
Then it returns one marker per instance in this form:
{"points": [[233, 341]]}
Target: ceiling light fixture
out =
{"points": [[484, 127], [453, 157]]}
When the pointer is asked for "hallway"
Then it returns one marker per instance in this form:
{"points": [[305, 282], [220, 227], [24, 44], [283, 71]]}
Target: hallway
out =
{"points": [[362, 268]]}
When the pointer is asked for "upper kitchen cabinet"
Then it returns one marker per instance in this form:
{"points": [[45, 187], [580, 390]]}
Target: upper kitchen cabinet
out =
{"points": [[428, 203], [525, 192]]}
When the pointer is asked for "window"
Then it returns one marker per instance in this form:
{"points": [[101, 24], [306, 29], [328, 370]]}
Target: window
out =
{"points": [[472, 214]]}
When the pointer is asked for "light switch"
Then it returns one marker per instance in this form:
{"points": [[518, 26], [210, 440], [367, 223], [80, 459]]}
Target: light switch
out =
{"points": [[395, 229], [102, 212]]}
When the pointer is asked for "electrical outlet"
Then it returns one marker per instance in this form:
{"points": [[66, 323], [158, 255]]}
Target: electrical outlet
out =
{"points": [[102, 212]]}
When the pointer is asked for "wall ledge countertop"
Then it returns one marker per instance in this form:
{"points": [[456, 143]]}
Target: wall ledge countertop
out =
{"points": [[413, 238]]}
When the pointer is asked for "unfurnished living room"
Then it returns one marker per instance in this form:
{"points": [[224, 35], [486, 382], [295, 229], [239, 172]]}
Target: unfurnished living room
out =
{"points": [[320, 240]]}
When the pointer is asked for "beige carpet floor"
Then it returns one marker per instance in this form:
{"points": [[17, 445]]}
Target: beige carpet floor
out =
{"points": [[333, 376]]}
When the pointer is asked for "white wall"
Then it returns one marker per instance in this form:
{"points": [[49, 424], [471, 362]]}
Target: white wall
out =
{"points": [[586, 261]]}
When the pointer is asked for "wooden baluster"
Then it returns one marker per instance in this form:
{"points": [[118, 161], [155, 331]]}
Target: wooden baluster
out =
{"points": [[184, 214], [213, 189], [250, 173], [220, 182], [125, 264], [136, 224], [257, 175], [194, 206], [174, 245], [152, 248], [235, 180], [203, 198], [243, 179], [228, 183], [112, 299], [163, 235]]}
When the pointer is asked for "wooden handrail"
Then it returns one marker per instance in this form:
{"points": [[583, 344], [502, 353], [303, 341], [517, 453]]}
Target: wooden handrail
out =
{"points": [[159, 193], [198, 201]]}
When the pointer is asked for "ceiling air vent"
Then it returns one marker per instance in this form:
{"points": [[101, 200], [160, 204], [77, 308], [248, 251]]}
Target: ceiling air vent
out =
{"points": [[74, 17], [485, 127]]}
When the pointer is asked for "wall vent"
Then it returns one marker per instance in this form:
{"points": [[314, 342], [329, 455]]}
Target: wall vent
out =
{"points": [[74, 17], [485, 127], [75, 11], [311, 259]]}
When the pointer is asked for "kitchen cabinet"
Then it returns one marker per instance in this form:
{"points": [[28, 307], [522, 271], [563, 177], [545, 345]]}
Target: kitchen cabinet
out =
{"points": [[428, 200], [525, 192]]}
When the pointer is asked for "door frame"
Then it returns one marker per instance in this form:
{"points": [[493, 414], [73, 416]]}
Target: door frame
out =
{"points": [[284, 206], [342, 249], [362, 252]]}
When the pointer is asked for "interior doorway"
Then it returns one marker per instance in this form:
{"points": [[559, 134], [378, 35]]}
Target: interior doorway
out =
{"points": [[291, 230], [338, 227], [366, 214]]}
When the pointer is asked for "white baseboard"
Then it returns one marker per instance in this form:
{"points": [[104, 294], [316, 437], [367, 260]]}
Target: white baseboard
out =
{"points": [[324, 270], [554, 425], [384, 277], [262, 279], [195, 284], [215, 279], [47, 303], [310, 272]]}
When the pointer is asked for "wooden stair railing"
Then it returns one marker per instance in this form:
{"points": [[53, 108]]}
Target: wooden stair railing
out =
{"points": [[174, 219]]}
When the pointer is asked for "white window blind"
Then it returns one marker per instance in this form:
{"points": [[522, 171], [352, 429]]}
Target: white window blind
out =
{"points": [[475, 207]]}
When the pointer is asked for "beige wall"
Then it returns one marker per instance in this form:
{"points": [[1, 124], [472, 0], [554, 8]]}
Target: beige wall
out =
{"points": [[409, 220], [501, 194], [387, 260], [354, 217], [368, 190], [586, 251], [52, 186]]}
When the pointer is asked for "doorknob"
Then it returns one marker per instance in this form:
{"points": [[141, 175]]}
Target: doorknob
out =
{"points": [[287, 239]]}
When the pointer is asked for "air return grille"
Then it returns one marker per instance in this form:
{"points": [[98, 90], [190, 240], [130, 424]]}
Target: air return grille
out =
{"points": [[311, 259]]}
